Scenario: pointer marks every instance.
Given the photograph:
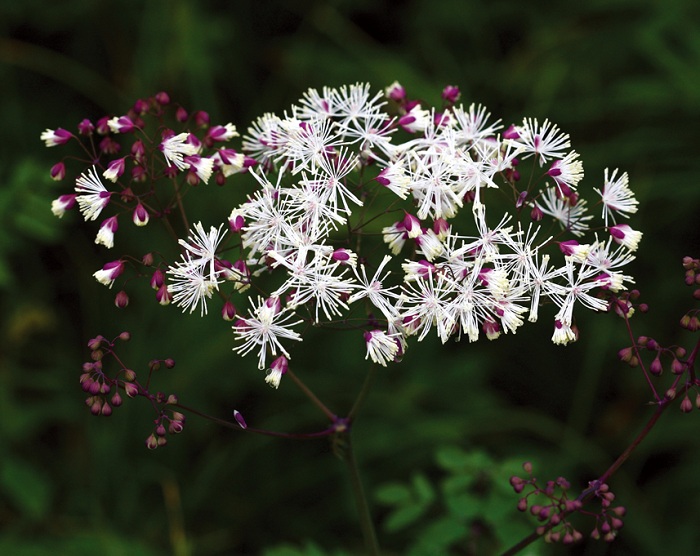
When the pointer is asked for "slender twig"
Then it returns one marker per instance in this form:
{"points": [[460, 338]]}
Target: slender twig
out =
{"points": [[309, 394], [366, 524]]}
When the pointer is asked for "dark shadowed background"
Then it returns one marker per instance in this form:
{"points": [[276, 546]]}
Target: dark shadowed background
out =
{"points": [[621, 77]]}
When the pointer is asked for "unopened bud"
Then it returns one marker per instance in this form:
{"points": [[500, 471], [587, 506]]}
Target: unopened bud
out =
{"points": [[239, 419], [677, 367], [152, 442], [686, 405], [131, 389]]}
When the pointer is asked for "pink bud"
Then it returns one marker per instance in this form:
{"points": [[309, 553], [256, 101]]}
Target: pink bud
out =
{"points": [[121, 300], [181, 114], [162, 98]]}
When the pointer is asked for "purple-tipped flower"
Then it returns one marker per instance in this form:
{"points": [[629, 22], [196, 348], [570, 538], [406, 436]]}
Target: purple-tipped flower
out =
{"points": [[109, 273], [140, 216], [395, 92], [279, 367], [114, 170], [412, 225], [625, 235], [105, 235], [236, 221], [53, 138], [121, 124], [62, 204], [381, 347], [344, 256], [222, 132]]}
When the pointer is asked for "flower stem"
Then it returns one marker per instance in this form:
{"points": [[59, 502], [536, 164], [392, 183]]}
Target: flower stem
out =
{"points": [[309, 394], [347, 454]]}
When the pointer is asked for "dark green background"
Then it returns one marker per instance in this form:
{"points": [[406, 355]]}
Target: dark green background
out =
{"points": [[621, 77]]}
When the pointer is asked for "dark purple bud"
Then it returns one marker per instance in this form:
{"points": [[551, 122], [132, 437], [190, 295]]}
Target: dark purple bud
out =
{"points": [[239, 419]]}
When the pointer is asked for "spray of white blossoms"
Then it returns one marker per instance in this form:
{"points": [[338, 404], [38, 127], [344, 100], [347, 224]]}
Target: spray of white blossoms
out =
{"points": [[380, 211]]}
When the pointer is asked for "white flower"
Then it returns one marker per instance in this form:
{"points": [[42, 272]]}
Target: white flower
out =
{"points": [[625, 235], [545, 141], [92, 194], [617, 196], [381, 348], [374, 290], [175, 147], [195, 278], [267, 324], [572, 218]]}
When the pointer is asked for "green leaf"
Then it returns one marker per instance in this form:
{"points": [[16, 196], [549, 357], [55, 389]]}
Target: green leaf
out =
{"points": [[403, 517], [393, 494], [424, 490]]}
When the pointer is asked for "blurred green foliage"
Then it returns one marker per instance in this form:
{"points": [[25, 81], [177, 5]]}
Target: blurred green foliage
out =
{"points": [[622, 77]]}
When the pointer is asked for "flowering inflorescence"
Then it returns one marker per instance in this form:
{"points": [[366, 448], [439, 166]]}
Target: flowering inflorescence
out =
{"points": [[104, 388], [341, 171], [552, 506], [653, 357]]}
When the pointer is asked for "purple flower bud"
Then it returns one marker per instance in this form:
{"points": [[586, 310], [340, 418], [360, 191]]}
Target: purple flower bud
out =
{"points": [[201, 118], [511, 133], [239, 419], [158, 279], [140, 215], [162, 98], [152, 442], [181, 114], [163, 296], [451, 94], [121, 300], [85, 127], [228, 311], [58, 171], [395, 92]]}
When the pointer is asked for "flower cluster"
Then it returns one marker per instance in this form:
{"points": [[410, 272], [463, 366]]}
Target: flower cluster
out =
{"points": [[551, 506], [375, 209]]}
